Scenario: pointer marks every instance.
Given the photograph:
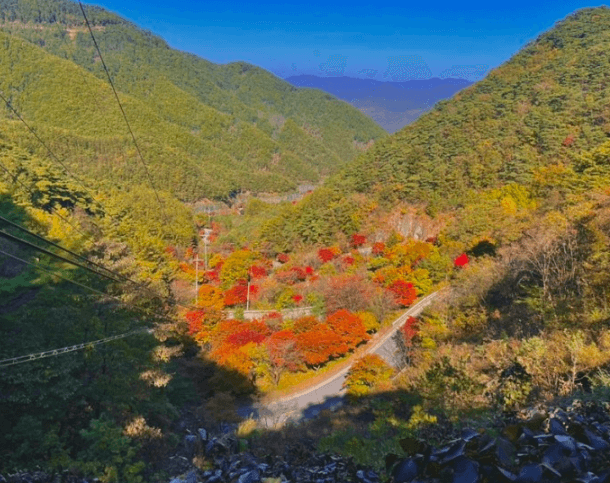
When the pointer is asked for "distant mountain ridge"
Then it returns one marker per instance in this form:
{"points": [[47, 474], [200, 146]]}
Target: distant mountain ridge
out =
{"points": [[393, 105]]}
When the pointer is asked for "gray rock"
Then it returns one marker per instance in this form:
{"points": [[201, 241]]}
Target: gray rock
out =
{"points": [[250, 477], [203, 434], [189, 443], [191, 477]]}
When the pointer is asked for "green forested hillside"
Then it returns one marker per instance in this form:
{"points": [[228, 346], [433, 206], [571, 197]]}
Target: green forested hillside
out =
{"points": [[206, 130], [543, 107]]}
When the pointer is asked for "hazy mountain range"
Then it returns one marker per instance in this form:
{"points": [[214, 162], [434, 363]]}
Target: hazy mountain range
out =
{"points": [[392, 105]]}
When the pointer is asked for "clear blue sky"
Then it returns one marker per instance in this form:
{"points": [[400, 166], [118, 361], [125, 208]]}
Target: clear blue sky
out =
{"points": [[386, 40]]}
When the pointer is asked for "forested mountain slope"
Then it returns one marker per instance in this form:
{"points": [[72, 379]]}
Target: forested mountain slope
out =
{"points": [[207, 130], [545, 106]]}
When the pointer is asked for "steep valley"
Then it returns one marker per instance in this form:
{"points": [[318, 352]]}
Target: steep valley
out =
{"points": [[135, 329]]}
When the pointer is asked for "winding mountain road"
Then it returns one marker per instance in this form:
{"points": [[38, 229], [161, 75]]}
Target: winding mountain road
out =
{"points": [[328, 394]]}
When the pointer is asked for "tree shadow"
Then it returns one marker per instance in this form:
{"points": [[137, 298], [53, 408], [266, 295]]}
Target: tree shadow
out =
{"points": [[72, 410]]}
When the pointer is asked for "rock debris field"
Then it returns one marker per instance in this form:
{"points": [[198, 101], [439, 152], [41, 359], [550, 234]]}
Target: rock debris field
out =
{"points": [[562, 444]]}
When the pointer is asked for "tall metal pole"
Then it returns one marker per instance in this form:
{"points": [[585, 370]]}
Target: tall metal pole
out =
{"points": [[196, 279], [205, 249]]}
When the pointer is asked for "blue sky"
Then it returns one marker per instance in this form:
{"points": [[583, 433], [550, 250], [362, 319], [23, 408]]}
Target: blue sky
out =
{"points": [[384, 40]]}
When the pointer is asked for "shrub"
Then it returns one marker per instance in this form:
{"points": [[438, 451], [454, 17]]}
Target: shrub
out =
{"points": [[365, 374]]}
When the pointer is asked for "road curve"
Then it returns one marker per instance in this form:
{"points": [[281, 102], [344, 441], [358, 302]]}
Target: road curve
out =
{"points": [[328, 393]]}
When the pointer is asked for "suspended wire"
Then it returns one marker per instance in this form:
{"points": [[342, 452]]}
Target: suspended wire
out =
{"points": [[56, 245], [64, 350], [81, 257], [53, 210], [116, 95], [126, 279], [55, 274], [55, 255], [82, 285], [51, 153], [76, 264]]}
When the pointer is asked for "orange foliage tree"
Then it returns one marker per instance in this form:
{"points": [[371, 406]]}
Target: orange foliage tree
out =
{"points": [[211, 297], [304, 324], [349, 327], [320, 345]]}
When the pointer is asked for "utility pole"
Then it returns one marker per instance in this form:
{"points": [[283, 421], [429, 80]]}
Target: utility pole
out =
{"points": [[248, 294], [206, 239], [196, 279]]}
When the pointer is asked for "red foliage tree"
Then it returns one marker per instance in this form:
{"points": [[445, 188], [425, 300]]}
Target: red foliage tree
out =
{"points": [[297, 298], [238, 293], [326, 254], [283, 354], [300, 273], [211, 276], [568, 141], [358, 240], [348, 260], [195, 319], [258, 271], [283, 257], [409, 330], [244, 337], [404, 292], [349, 327], [291, 276], [461, 261], [309, 270]]}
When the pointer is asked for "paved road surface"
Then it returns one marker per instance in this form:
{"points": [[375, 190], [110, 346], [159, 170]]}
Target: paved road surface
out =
{"points": [[329, 393]]}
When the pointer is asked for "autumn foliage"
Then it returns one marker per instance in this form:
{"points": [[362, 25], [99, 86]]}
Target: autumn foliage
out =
{"points": [[404, 292], [365, 374], [353, 282], [358, 240], [409, 330], [461, 261], [378, 248], [328, 254], [238, 294], [349, 327]]}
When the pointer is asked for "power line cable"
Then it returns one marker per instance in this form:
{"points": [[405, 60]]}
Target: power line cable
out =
{"points": [[64, 350], [55, 274], [55, 255], [126, 279], [82, 285], [83, 258], [116, 95], [58, 246], [76, 264]]}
